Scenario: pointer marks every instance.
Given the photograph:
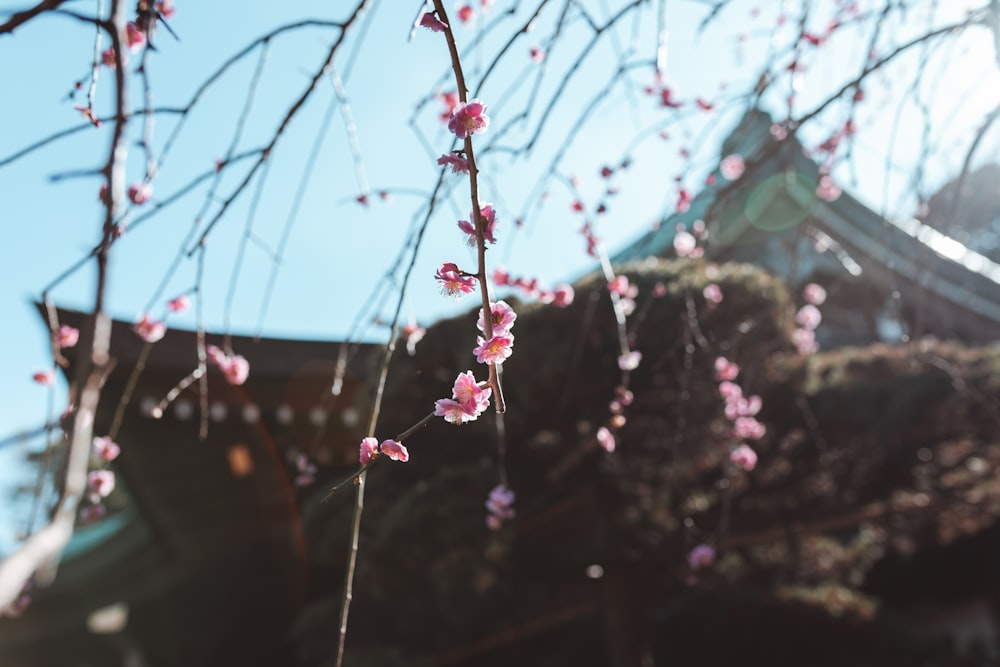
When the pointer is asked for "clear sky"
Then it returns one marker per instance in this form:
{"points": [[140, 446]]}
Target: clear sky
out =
{"points": [[337, 248]]}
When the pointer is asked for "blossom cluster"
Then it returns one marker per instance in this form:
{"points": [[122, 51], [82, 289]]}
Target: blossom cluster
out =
{"points": [[100, 481], [392, 449], [808, 318], [500, 345], [560, 296], [468, 400], [741, 411], [626, 293], [305, 471]]}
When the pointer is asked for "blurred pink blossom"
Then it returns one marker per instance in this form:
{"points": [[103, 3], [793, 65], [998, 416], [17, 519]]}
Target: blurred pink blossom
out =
{"points": [[562, 295], [179, 304], [139, 193], [458, 164], [827, 189], [134, 37], [46, 378], [732, 167], [808, 317], [106, 448], [725, 369], [701, 556], [606, 439], [101, 483], [744, 457], [814, 294], [630, 360], [148, 329], [684, 243], [68, 336], [748, 428]]}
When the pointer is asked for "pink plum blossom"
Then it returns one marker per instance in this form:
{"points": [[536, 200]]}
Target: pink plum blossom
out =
{"points": [[808, 317], [369, 450], [469, 118], [606, 439], [179, 304], [744, 457], [732, 167], [712, 293], [630, 360], [701, 556], [814, 294], [106, 448], [46, 378], [108, 57], [68, 336], [468, 400], [101, 483], [489, 217], [458, 164], [502, 318], [433, 23], [537, 54], [395, 451], [467, 391], [452, 281], [139, 193], [134, 37], [148, 329], [495, 350], [684, 243]]}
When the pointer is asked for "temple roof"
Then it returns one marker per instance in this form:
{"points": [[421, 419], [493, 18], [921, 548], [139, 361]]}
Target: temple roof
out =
{"points": [[773, 217]]}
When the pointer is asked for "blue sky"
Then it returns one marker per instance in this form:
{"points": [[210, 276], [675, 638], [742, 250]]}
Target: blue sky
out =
{"points": [[338, 249]]}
